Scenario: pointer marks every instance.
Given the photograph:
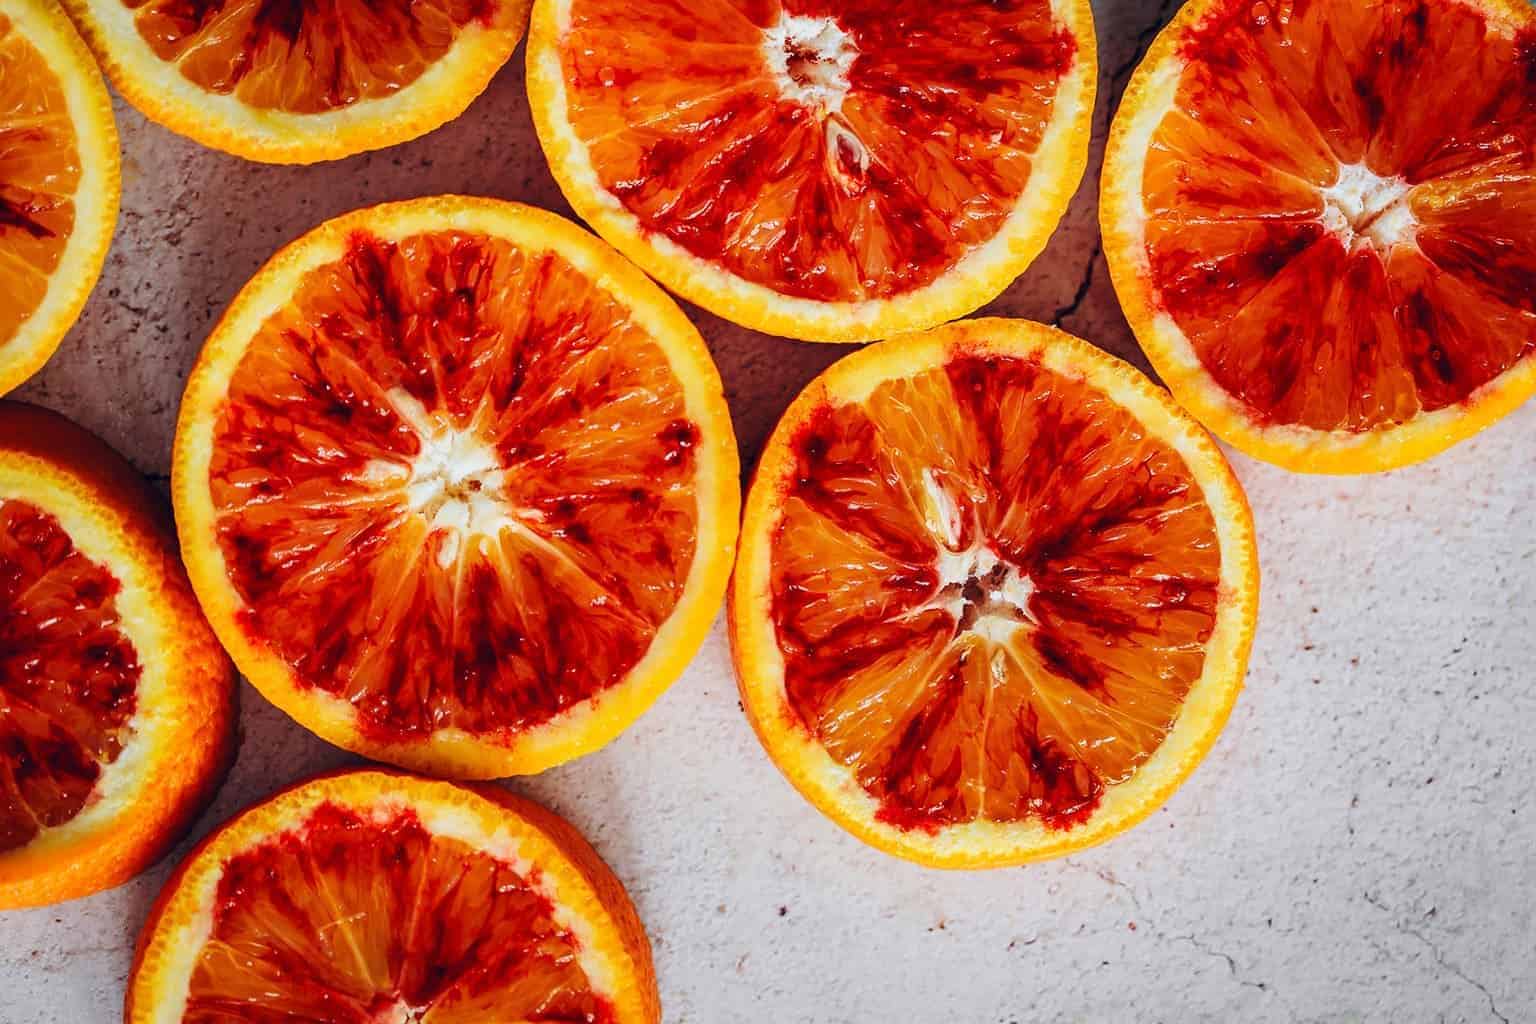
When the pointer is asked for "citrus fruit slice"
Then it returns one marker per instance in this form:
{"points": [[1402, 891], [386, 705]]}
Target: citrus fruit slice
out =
{"points": [[116, 703], [995, 594], [1320, 216], [457, 486], [832, 172], [59, 182], [374, 898], [294, 83]]}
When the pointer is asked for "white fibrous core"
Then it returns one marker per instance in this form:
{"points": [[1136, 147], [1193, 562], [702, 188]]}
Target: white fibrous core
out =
{"points": [[1363, 208]]}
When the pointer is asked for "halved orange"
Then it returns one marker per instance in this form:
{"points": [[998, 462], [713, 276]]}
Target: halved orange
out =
{"points": [[59, 182], [995, 594], [116, 703], [828, 171], [457, 486], [1320, 216], [374, 898], [294, 82]]}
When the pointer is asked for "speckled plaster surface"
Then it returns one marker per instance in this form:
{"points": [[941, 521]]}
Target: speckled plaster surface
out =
{"points": [[1358, 846]]}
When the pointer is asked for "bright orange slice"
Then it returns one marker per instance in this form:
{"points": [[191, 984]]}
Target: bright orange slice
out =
{"points": [[1320, 216], [293, 82], [457, 486], [827, 171], [116, 703], [374, 898], [59, 182], [995, 595]]}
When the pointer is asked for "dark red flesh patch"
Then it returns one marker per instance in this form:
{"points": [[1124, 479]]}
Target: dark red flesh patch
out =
{"points": [[353, 916], [418, 624], [23, 215], [68, 675], [300, 56], [1316, 328], [1038, 476], [919, 163]]}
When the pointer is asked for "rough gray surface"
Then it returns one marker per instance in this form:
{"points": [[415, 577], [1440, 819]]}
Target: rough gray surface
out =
{"points": [[1356, 848]]}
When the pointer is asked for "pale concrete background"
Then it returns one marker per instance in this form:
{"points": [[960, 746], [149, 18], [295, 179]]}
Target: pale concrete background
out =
{"points": [[1358, 847]]}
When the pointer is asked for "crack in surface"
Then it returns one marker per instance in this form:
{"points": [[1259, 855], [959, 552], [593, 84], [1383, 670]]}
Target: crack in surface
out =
{"points": [[1120, 76], [1084, 284], [1115, 89], [1399, 926]]}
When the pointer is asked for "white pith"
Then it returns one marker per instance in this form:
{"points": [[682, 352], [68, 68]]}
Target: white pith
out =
{"points": [[1004, 606], [456, 482], [95, 535], [821, 82], [1364, 208], [512, 840]]}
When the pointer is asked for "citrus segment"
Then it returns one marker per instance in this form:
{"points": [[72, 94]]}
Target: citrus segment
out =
{"points": [[994, 595], [458, 483], [68, 674], [280, 55], [1321, 220], [366, 897], [289, 82], [814, 168], [58, 183], [115, 702]]}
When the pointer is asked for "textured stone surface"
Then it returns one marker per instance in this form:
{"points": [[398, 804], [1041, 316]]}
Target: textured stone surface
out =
{"points": [[1356, 848]]}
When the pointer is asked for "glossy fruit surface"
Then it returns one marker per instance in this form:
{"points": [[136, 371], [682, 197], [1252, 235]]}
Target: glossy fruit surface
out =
{"points": [[285, 81], [368, 896], [457, 486], [59, 182], [832, 172], [1321, 218], [116, 704], [995, 594]]}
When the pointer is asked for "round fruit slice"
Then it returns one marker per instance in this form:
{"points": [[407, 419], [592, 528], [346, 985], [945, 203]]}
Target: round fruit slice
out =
{"points": [[293, 82], [116, 703], [995, 595], [374, 898], [1320, 216], [457, 486], [59, 182], [832, 172]]}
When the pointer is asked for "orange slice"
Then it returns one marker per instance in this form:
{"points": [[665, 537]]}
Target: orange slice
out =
{"points": [[1320, 216], [116, 704], [457, 486], [995, 595], [833, 172], [375, 898], [59, 183], [294, 82]]}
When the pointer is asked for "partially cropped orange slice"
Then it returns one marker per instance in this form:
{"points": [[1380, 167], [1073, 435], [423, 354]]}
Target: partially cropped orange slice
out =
{"points": [[59, 182], [115, 699], [828, 171], [292, 81], [1320, 216], [457, 486], [995, 594], [374, 898]]}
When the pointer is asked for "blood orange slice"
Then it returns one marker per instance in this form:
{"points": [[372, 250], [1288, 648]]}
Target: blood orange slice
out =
{"points": [[827, 171], [374, 898], [58, 182], [995, 595], [457, 486], [115, 700], [286, 81], [1320, 216]]}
